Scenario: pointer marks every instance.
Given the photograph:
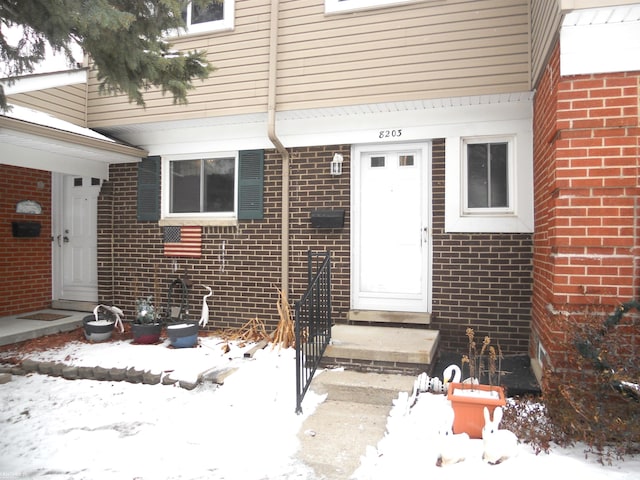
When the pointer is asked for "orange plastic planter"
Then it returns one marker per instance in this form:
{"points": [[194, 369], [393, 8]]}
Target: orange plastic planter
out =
{"points": [[468, 406]]}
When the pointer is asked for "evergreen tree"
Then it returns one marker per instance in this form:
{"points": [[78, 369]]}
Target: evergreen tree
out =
{"points": [[125, 39]]}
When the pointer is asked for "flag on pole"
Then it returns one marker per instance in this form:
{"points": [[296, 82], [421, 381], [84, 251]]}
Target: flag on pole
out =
{"points": [[183, 241]]}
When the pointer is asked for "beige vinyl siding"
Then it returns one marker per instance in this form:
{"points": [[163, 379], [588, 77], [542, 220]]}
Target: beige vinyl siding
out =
{"points": [[545, 26], [66, 103], [423, 50], [237, 86]]}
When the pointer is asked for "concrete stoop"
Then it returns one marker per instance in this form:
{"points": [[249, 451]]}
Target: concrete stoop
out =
{"points": [[382, 349], [353, 416]]}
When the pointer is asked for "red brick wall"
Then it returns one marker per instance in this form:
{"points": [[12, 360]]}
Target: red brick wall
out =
{"points": [[25, 265], [242, 265], [544, 154], [586, 150]]}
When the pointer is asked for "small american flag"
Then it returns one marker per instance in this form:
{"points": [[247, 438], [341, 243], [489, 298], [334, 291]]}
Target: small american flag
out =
{"points": [[183, 241]]}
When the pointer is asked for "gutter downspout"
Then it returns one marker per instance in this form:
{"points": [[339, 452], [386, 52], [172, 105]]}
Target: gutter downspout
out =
{"points": [[271, 127]]}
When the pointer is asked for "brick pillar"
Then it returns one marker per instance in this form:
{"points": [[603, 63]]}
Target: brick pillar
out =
{"points": [[586, 154]]}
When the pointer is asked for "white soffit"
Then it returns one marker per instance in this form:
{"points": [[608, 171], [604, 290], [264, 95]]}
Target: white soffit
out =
{"points": [[33, 139], [600, 40], [418, 120]]}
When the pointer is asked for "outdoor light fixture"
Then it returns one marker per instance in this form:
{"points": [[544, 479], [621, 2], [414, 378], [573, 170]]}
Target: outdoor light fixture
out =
{"points": [[336, 164]]}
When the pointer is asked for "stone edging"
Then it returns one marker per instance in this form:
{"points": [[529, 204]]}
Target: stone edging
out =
{"points": [[131, 375], [71, 372]]}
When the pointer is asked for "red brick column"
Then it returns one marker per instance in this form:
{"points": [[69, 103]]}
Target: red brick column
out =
{"points": [[25, 263], [587, 198]]}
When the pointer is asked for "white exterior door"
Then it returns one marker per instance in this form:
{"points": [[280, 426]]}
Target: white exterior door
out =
{"points": [[75, 240], [391, 238]]}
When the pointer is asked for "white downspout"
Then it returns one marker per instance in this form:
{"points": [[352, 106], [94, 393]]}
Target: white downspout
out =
{"points": [[271, 126]]}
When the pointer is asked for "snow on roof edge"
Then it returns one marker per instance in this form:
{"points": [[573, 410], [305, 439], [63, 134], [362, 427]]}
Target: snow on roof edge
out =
{"points": [[43, 119]]}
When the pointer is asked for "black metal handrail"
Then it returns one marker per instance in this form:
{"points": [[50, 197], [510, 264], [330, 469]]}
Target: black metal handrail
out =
{"points": [[313, 322]]}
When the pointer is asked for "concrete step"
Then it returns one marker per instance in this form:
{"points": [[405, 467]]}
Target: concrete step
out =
{"points": [[73, 305], [364, 388], [408, 351], [353, 416], [377, 317]]}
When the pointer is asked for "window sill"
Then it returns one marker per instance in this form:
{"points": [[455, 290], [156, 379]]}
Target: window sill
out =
{"points": [[176, 35], [337, 6], [205, 222]]}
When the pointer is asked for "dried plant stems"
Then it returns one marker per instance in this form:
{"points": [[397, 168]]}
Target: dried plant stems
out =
{"points": [[284, 334], [486, 362], [254, 330]]}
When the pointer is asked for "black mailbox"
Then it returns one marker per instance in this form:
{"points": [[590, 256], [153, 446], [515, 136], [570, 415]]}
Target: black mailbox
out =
{"points": [[327, 218], [26, 229]]}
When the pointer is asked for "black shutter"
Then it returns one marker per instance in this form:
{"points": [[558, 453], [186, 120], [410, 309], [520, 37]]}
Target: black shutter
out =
{"points": [[149, 189], [251, 184]]}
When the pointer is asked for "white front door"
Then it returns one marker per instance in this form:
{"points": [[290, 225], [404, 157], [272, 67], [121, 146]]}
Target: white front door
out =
{"points": [[391, 237], [75, 238]]}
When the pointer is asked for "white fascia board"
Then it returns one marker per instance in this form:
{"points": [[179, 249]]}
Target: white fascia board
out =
{"points": [[197, 136], [413, 121], [32, 83], [407, 125], [570, 5], [601, 48], [22, 156], [203, 139]]}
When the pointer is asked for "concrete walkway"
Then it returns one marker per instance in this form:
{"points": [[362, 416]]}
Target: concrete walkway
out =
{"points": [[353, 416]]}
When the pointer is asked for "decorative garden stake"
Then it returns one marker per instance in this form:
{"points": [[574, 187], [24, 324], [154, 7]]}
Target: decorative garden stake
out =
{"points": [[204, 318]]}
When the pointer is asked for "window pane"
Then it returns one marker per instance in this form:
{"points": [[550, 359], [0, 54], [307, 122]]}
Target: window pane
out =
{"points": [[377, 162], [477, 170], [499, 182], [185, 186], [219, 184], [406, 160], [213, 11]]}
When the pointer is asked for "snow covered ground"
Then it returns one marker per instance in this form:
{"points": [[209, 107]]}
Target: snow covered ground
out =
{"points": [[245, 429]]}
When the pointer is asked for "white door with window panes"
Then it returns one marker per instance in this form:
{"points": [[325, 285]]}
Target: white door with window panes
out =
{"points": [[75, 239], [391, 237]]}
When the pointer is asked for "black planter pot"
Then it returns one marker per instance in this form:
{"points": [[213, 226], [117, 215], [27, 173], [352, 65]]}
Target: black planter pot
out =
{"points": [[98, 330], [146, 333], [183, 334]]}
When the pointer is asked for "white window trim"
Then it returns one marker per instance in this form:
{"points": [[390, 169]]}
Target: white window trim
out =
{"points": [[195, 218], [511, 176], [520, 219], [226, 24], [336, 6]]}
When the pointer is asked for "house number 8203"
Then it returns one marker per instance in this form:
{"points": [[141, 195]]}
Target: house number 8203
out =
{"points": [[395, 133]]}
